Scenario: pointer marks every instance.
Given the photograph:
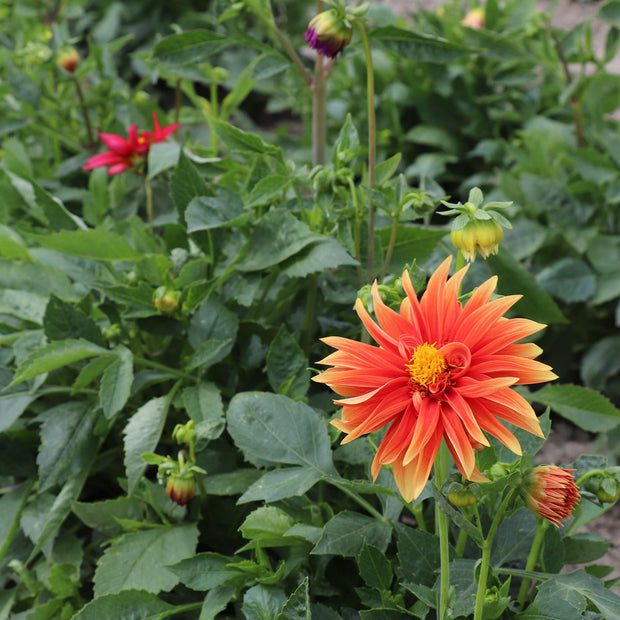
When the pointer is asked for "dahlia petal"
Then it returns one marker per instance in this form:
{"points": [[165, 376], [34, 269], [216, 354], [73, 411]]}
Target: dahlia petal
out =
{"points": [[425, 426], [116, 143], [118, 168], [527, 371], [362, 398], [383, 339], [481, 321], [391, 322], [464, 412], [432, 300], [468, 387], [411, 306], [103, 159], [513, 408], [397, 438], [489, 423], [527, 350], [360, 353], [507, 332], [458, 442]]}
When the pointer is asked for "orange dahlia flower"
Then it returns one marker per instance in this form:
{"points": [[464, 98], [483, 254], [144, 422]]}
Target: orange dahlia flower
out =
{"points": [[442, 370], [551, 493]]}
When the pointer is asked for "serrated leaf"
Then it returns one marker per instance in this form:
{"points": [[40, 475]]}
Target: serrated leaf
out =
{"points": [[138, 560], [186, 184], [192, 46], [126, 605], [325, 253], [216, 601], [412, 243], [266, 527], [280, 484], [375, 569], [271, 429], [601, 362], [62, 321], [213, 321], [347, 532], [223, 210], [103, 516], [142, 434], [162, 156], [243, 142], [267, 189], [418, 555], [568, 279], [35, 277], [116, 382], [56, 355], [231, 483], [297, 607], [262, 602], [585, 408], [95, 244], [67, 442], [203, 404], [204, 571], [11, 507], [287, 366], [422, 47]]}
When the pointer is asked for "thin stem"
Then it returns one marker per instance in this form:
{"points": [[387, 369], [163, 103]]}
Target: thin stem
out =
{"points": [[288, 48], [148, 190], [157, 366], [532, 559], [372, 146], [319, 114], [392, 242], [84, 108], [460, 261], [442, 471], [460, 543], [417, 510], [361, 501], [486, 556]]}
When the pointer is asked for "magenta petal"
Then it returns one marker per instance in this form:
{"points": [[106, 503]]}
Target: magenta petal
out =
{"points": [[103, 159], [116, 143]]}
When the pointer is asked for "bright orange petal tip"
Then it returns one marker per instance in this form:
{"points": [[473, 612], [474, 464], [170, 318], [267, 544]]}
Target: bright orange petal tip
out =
{"points": [[440, 370]]}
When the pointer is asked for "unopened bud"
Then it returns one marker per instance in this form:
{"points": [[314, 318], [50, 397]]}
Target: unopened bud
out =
{"points": [[166, 299], [69, 60]]}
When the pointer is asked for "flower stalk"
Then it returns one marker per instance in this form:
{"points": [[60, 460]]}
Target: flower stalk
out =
{"points": [[442, 471], [532, 558]]}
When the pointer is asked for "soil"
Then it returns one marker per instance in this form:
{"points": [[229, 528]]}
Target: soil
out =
{"points": [[566, 442]]}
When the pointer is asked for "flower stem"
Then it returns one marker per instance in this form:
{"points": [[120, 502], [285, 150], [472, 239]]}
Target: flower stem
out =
{"points": [[319, 114], [148, 190], [486, 556], [84, 108], [372, 146], [442, 471], [361, 501], [532, 559], [292, 54]]}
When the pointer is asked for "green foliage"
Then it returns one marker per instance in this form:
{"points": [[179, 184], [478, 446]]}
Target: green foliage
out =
{"points": [[191, 292]]}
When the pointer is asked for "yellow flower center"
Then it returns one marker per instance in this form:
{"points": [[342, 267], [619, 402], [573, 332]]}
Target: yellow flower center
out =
{"points": [[426, 365]]}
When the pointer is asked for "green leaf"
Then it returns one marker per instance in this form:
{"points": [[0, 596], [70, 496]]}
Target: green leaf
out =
{"points": [[318, 256], [203, 404], [568, 279], [271, 429], [103, 516], [276, 237], [204, 571], [514, 537], [208, 353], [280, 484], [266, 527], [139, 559], [298, 605], [36, 278], [242, 142], [142, 434], [23, 305], [601, 362], [263, 603], [267, 189], [162, 155], [216, 601], [375, 569], [231, 483], [412, 243], [213, 321], [116, 382], [385, 170], [610, 12], [11, 506], [186, 183], [63, 320], [287, 366], [585, 408], [536, 303], [56, 355], [225, 209], [192, 46], [95, 244], [422, 47], [565, 596], [347, 532], [418, 555], [67, 442], [126, 605], [584, 547]]}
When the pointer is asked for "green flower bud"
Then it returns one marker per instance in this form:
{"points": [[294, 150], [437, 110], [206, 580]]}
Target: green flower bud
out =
{"points": [[166, 299]]}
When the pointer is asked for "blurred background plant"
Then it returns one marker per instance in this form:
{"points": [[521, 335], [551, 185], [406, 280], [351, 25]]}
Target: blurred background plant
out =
{"points": [[112, 334]]}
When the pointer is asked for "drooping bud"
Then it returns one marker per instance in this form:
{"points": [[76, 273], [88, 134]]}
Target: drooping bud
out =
{"points": [[69, 60], [606, 488], [181, 488], [550, 492], [461, 495], [329, 32], [477, 228]]}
